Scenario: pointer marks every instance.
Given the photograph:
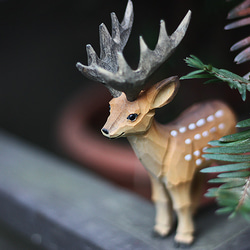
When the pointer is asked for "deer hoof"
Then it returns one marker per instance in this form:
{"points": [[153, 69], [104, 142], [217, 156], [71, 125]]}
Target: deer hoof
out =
{"points": [[183, 240], [161, 231]]}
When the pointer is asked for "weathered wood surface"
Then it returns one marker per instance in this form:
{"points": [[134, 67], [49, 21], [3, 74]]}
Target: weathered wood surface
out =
{"points": [[55, 204]]}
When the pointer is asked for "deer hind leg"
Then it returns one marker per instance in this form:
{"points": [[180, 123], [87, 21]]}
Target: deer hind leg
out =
{"points": [[182, 204], [197, 190], [163, 207]]}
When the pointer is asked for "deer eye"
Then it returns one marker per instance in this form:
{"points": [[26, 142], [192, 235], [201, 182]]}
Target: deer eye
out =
{"points": [[132, 117]]}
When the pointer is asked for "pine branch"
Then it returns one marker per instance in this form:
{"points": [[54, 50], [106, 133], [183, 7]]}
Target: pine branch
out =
{"points": [[245, 194], [215, 75], [234, 194]]}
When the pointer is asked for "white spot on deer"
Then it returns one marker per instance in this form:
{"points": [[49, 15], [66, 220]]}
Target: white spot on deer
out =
{"points": [[197, 153], [197, 137], [219, 113], [182, 129], [191, 126], [174, 133], [210, 118], [213, 129], [205, 133], [188, 157], [221, 126], [188, 141], [201, 122], [198, 162]]}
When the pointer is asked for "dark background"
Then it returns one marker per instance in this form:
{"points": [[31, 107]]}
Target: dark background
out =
{"points": [[41, 41]]}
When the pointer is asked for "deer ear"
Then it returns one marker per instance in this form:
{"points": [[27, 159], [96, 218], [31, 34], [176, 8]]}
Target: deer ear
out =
{"points": [[163, 92]]}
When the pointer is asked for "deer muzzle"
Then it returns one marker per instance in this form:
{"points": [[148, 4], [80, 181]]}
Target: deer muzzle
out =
{"points": [[106, 133]]}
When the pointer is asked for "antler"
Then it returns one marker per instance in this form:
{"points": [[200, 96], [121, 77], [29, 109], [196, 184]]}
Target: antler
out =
{"points": [[112, 68], [109, 49]]}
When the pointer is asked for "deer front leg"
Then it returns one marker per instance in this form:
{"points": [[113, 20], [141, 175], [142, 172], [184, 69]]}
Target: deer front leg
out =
{"points": [[181, 198], [163, 207]]}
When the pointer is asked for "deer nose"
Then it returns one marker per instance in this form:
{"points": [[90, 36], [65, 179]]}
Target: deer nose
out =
{"points": [[105, 131]]}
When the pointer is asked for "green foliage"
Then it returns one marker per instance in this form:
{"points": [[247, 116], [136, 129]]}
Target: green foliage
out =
{"points": [[234, 194], [215, 75]]}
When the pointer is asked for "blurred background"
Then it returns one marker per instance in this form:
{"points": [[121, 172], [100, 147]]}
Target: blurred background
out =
{"points": [[41, 41]]}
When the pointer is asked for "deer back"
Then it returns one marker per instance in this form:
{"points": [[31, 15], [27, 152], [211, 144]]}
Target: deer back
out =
{"points": [[190, 133]]}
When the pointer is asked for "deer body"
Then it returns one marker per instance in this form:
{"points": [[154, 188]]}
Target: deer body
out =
{"points": [[157, 148], [172, 153], [156, 144]]}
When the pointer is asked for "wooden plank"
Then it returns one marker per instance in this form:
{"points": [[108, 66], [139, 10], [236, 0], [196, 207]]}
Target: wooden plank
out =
{"points": [[58, 205]]}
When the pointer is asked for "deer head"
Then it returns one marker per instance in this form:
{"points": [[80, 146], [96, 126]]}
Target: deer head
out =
{"points": [[134, 102], [130, 118]]}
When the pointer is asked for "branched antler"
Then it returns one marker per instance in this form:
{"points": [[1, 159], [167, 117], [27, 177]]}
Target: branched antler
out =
{"points": [[112, 68], [109, 48]]}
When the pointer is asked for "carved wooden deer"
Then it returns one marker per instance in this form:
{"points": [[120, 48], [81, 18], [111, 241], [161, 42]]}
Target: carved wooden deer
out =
{"points": [[172, 153]]}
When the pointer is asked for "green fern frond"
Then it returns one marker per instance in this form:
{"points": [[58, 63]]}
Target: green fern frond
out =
{"points": [[243, 124], [239, 143], [208, 71], [234, 193], [227, 168]]}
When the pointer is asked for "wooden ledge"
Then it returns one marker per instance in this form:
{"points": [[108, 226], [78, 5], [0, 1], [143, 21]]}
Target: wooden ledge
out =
{"points": [[55, 204]]}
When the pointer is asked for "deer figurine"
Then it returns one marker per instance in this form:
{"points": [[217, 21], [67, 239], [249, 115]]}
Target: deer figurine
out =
{"points": [[172, 153]]}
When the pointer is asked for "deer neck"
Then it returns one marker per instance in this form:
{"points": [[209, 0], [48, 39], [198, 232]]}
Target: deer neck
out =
{"points": [[151, 147]]}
